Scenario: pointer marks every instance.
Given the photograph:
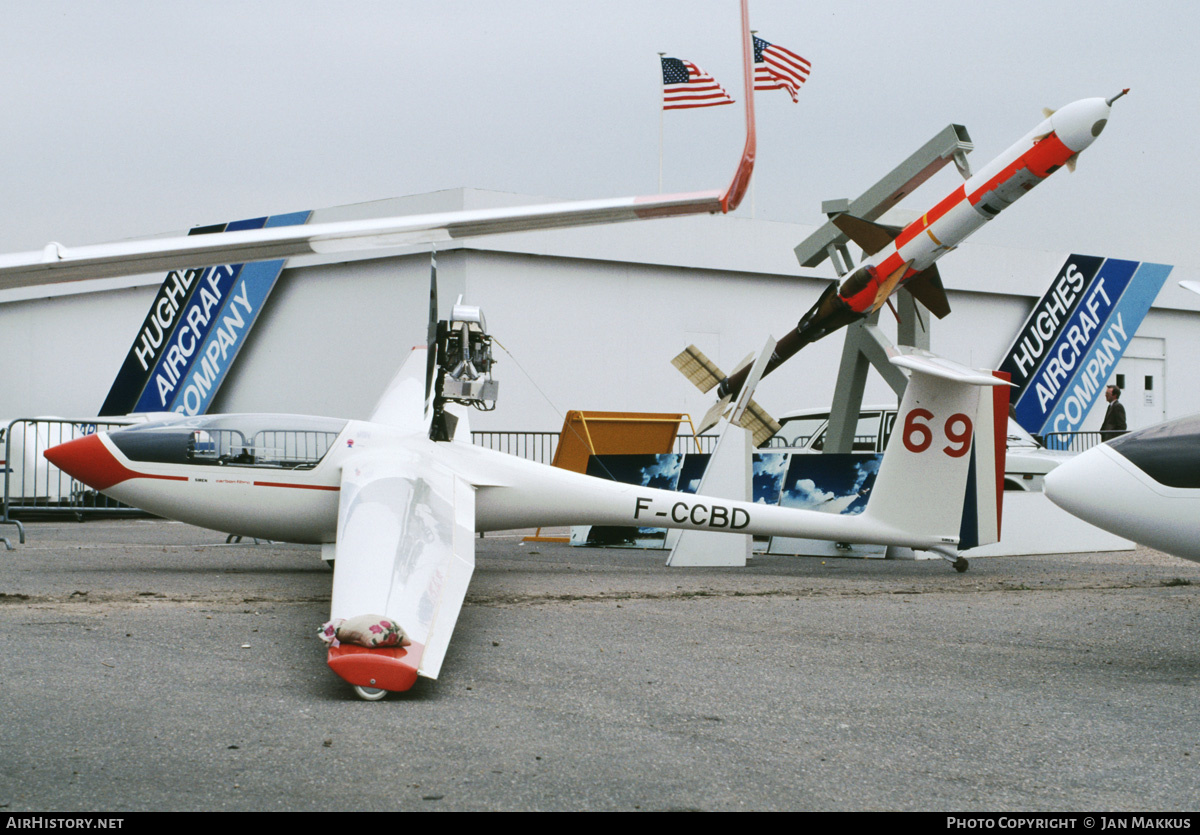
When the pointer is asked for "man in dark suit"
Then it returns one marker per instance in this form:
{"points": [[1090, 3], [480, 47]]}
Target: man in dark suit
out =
{"points": [[1114, 417]]}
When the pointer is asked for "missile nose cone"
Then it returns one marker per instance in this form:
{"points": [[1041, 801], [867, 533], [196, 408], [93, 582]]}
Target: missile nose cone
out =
{"points": [[86, 459], [1080, 122]]}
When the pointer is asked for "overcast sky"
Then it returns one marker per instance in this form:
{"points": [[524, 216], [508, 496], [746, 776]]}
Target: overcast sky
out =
{"points": [[123, 118]]}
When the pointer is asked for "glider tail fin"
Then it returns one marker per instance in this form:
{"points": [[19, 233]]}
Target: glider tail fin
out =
{"points": [[943, 472]]}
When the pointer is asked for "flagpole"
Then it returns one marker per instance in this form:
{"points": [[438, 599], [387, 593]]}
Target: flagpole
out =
{"points": [[753, 181], [660, 124]]}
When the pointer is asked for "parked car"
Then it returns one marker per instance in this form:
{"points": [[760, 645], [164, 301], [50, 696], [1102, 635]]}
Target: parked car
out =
{"points": [[1026, 464]]}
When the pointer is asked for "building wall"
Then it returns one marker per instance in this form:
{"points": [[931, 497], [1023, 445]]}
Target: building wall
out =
{"points": [[588, 319], [61, 353]]}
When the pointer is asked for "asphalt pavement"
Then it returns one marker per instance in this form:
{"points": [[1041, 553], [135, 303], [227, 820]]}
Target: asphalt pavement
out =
{"points": [[148, 665]]}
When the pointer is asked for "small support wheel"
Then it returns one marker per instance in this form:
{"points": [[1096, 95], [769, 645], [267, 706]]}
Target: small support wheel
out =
{"points": [[961, 565], [369, 694]]}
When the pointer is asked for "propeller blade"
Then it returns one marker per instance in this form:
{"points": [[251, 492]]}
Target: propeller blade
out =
{"points": [[431, 355]]}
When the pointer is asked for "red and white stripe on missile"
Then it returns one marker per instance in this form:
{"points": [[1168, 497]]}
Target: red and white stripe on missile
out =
{"points": [[1056, 141]]}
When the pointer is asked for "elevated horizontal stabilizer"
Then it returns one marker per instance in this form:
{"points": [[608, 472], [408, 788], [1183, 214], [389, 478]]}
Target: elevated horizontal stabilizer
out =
{"points": [[872, 237], [926, 362], [699, 369], [926, 287]]}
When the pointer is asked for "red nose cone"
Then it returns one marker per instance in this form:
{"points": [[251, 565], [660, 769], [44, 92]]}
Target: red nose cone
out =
{"points": [[88, 460]]}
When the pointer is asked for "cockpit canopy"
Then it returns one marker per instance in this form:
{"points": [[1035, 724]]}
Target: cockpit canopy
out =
{"points": [[1166, 452], [292, 442]]}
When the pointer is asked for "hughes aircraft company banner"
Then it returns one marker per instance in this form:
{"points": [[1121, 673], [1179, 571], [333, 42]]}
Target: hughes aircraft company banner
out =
{"points": [[196, 325], [1071, 342]]}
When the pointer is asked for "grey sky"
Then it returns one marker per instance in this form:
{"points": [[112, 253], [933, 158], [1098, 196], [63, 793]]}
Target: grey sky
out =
{"points": [[126, 118]]}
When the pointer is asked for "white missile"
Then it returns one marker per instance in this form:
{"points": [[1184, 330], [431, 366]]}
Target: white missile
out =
{"points": [[906, 258]]}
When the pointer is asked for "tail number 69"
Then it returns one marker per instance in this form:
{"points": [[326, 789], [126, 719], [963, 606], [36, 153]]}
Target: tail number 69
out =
{"points": [[918, 436]]}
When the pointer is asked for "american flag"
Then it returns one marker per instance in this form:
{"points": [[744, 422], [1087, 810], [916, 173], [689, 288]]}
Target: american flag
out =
{"points": [[776, 68], [686, 85]]}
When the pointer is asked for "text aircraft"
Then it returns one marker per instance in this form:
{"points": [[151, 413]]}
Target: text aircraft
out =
{"points": [[399, 510], [907, 257], [1144, 486]]}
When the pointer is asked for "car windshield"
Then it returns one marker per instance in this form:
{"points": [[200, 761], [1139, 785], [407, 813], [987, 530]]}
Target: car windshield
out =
{"points": [[796, 431], [808, 431], [1018, 437]]}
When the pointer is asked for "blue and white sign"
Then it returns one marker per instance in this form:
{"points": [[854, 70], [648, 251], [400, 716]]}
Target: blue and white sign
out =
{"points": [[157, 328], [197, 318], [227, 333], [210, 325], [1075, 336], [1077, 395], [1048, 320]]}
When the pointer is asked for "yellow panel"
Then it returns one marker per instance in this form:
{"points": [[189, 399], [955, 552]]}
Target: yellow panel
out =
{"points": [[614, 433]]}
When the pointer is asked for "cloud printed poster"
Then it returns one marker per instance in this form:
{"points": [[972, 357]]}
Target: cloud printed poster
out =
{"points": [[827, 483]]}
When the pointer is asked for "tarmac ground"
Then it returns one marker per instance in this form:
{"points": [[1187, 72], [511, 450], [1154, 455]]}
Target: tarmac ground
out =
{"points": [[149, 665]]}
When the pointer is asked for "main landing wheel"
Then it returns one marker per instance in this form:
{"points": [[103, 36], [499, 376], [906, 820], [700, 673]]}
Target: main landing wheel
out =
{"points": [[369, 694], [961, 565]]}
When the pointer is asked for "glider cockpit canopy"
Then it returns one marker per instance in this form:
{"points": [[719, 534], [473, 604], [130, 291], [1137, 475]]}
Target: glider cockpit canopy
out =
{"points": [[275, 441]]}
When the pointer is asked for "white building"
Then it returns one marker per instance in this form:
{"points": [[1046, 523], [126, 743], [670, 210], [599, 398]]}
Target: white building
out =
{"points": [[588, 319]]}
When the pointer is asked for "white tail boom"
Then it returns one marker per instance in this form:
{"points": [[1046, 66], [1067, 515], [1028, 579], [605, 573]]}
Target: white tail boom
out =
{"points": [[942, 459]]}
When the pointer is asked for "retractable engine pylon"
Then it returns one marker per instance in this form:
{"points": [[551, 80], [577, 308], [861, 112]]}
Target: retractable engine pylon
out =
{"points": [[464, 367]]}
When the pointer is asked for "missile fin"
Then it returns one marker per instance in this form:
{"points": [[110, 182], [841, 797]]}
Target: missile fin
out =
{"points": [[749, 358], [872, 237], [889, 285], [1071, 160], [760, 424], [714, 414], [1047, 112], [926, 287], [699, 369]]}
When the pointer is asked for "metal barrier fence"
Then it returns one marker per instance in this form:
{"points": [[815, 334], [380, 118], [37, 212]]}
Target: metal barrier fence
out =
{"points": [[534, 446], [541, 446], [292, 448], [686, 443], [32, 484], [1076, 441]]}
